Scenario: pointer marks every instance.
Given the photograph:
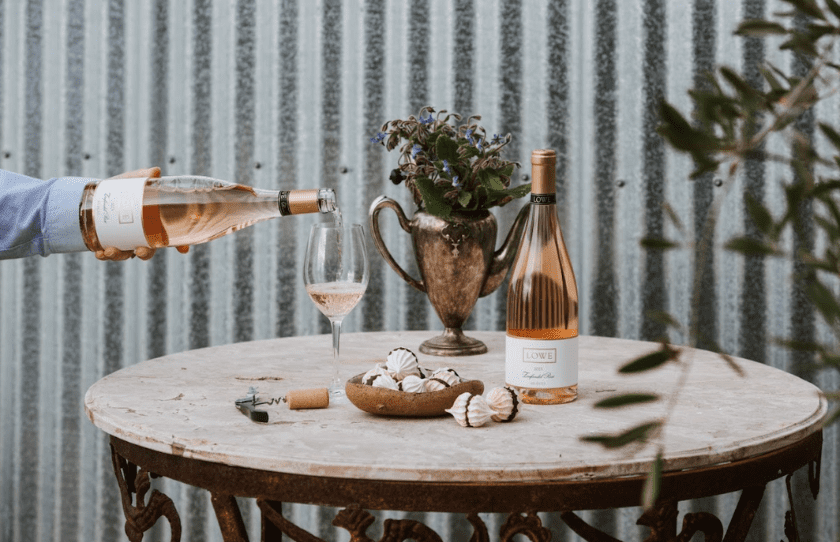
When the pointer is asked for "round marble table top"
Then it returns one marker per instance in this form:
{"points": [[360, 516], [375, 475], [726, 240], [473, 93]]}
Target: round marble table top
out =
{"points": [[183, 404]]}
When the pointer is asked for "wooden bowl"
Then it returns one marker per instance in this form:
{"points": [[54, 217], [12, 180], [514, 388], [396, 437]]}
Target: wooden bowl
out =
{"points": [[387, 402]]}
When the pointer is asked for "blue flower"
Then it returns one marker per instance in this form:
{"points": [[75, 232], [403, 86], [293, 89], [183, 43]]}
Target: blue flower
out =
{"points": [[446, 166], [497, 138], [468, 135], [455, 182], [478, 144], [415, 150], [378, 138], [427, 120]]}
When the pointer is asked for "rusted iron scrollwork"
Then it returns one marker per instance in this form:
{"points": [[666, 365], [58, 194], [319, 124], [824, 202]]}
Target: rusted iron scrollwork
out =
{"points": [[357, 521], [140, 517], [662, 523]]}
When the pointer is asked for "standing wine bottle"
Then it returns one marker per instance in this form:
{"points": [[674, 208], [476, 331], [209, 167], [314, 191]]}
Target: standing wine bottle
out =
{"points": [[541, 359], [183, 210]]}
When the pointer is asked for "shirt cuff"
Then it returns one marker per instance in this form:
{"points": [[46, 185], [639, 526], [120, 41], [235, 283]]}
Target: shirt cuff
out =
{"points": [[62, 231]]}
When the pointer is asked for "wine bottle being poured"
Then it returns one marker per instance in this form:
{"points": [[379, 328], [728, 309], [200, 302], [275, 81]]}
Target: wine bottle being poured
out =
{"points": [[183, 210], [541, 358]]}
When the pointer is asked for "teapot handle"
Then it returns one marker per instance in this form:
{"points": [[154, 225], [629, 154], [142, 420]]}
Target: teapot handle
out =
{"points": [[378, 204]]}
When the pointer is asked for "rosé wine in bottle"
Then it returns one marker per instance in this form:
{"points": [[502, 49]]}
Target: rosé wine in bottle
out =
{"points": [[541, 358], [183, 210]]}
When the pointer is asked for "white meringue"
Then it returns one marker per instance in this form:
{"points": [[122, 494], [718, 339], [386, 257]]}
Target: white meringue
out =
{"points": [[441, 380], [412, 384], [368, 377], [384, 380], [450, 371], [504, 403], [403, 362], [471, 410]]}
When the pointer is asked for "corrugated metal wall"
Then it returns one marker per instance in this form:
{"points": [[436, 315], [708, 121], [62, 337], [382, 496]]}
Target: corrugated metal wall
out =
{"points": [[285, 93]]}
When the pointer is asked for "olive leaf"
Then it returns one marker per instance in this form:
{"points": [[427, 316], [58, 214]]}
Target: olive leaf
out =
{"points": [[626, 399], [650, 361], [636, 434], [650, 491]]}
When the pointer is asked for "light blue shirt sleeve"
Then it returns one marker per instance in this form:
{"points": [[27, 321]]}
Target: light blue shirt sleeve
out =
{"points": [[39, 217]]}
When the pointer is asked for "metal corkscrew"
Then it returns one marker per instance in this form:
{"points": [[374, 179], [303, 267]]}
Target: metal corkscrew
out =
{"points": [[296, 399]]}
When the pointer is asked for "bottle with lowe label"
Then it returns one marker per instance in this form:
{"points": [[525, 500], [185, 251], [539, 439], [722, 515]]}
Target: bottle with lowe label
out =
{"points": [[183, 210], [541, 359]]}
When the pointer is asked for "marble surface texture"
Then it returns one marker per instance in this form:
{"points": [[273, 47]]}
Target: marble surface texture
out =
{"points": [[183, 404]]}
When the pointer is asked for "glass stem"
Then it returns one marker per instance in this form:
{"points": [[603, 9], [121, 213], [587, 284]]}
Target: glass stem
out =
{"points": [[335, 386]]}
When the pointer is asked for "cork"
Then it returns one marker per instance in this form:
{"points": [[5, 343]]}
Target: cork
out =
{"points": [[311, 398], [303, 201], [543, 171]]}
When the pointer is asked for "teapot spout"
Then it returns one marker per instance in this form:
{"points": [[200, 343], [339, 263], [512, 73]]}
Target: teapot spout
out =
{"points": [[503, 258]]}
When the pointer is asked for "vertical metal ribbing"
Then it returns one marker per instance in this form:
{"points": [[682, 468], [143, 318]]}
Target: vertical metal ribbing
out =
{"points": [[802, 314], [243, 291], [463, 72], [71, 358], [331, 84], [510, 81], [156, 332], [753, 305], [28, 445], [462, 55], [287, 269], [604, 317], [202, 144], [114, 301], [417, 306], [704, 295], [654, 290], [374, 302], [557, 106]]}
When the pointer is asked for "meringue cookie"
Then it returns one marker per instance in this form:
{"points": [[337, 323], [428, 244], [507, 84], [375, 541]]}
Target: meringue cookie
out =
{"points": [[412, 384], [471, 410], [504, 403], [441, 380], [384, 380], [369, 376], [403, 362]]}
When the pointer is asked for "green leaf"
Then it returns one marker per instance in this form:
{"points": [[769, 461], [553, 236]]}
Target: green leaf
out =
{"points": [[650, 491], [507, 171], [636, 434], [800, 346], [665, 319], [627, 399], [744, 89], [771, 79], [518, 191], [672, 215], [809, 7], [658, 243], [824, 300], [464, 198], [834, 7], [831, 134], [750, 247], [446, 148], [759, 214], [759, 28], [648, 361], [433, 198], [491, 180]]}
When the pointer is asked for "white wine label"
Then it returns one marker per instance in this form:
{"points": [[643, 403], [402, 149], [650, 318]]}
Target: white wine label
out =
{"points": [[118, 213], [535, 363]]}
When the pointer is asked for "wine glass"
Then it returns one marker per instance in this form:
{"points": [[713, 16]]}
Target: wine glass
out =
{"points": [[335, 272]]}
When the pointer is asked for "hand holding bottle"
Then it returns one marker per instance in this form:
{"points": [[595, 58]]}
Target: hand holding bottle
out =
{"points": [[144, 253]]}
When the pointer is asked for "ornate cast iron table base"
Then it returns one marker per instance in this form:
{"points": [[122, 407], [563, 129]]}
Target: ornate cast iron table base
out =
{"points": [[270, 489]]}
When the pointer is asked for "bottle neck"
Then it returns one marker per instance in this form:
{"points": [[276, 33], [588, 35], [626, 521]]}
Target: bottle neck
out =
{"points": [[543, 174], [316, 200]]}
